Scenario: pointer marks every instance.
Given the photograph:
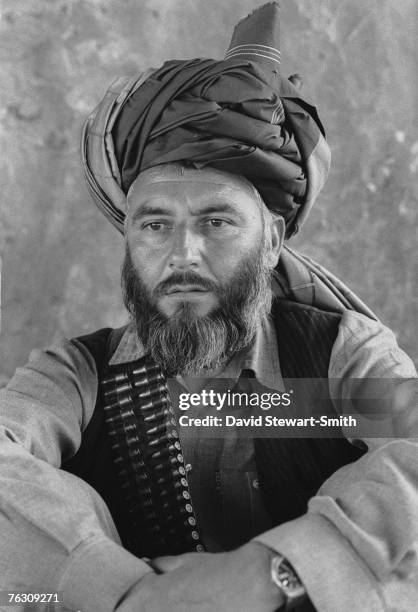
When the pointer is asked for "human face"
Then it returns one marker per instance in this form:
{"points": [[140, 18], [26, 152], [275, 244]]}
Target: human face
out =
{"points": [[204, 222]]}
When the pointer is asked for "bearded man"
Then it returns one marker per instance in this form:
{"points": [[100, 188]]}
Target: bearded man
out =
{"points": [[206, 167]]}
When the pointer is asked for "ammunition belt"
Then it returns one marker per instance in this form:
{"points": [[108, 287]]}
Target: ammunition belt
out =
{"points": [[149, 462]]}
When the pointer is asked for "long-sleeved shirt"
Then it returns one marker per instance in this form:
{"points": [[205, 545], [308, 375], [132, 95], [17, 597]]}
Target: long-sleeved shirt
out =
{"points": [[356, 547]]}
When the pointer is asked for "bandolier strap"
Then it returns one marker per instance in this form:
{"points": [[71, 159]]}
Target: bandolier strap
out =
{"points": [[147, 454]]}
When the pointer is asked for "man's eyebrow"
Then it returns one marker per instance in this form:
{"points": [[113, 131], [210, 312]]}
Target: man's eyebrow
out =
{"points": [[149, 209], [222, 207]]}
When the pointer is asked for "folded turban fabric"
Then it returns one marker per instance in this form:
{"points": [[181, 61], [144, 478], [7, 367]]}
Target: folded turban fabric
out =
{"points": [[238, 115]]}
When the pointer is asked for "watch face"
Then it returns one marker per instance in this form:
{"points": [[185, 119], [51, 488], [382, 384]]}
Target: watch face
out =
{"points": [[285, 577]]}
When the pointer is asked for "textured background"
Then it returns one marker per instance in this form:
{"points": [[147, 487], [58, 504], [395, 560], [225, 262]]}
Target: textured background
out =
{"points": [[61, 259]]}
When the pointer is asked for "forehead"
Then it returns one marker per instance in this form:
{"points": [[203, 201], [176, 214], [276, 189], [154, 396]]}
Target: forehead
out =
{"points": [[175, 183]]}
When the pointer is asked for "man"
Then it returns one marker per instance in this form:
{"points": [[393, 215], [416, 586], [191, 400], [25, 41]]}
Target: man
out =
{"points": [[202, 165]]}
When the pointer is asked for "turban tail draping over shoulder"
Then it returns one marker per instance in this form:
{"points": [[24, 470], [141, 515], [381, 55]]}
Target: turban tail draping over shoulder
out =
{"points": [[238, 115]]}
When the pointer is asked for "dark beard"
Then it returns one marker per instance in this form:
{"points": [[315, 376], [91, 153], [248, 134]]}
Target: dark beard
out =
{"points": [[187, 343]]}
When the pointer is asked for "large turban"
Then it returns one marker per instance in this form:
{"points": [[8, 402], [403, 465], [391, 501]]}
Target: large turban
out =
{"points": [[238, 115]]}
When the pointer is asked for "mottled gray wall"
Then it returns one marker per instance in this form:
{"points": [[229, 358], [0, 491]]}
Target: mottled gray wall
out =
{"points": [[60, 257]]}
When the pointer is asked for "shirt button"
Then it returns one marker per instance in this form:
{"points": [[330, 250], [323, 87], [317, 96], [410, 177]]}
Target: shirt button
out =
{"points": [[255, 483], [188, 467]]}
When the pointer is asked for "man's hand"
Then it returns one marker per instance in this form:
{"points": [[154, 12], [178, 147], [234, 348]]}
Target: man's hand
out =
{"points": [[208, 582]]}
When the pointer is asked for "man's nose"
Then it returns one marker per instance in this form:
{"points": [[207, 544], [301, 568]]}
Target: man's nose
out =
{"points": [[186, 250]]}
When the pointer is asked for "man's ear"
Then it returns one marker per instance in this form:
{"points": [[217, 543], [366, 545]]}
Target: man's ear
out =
{"points": [[277, 230]]}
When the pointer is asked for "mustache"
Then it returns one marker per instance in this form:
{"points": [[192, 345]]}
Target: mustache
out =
{"points": [[185, 278]]}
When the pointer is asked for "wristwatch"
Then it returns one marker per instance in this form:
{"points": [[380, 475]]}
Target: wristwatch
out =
{"points": [[286, 579]]}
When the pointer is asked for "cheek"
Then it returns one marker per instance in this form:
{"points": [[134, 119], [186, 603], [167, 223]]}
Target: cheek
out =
{"points": [[152, 248], [224, 257], [148, 265]]}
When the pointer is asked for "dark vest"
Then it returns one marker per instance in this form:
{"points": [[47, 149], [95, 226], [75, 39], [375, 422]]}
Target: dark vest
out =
{"points": [[290, 470]]}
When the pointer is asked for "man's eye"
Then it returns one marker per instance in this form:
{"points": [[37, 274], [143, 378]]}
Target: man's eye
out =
{"points": [[217, 222], [155, 226]]}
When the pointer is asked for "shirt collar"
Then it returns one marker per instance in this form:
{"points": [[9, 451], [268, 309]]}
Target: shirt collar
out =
{"points": [[261, 356], [129, 348]]}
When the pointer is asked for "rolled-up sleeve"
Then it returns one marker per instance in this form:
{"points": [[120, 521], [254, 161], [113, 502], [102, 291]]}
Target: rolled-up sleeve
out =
{"points": [[56, 533], [357, 546]]}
